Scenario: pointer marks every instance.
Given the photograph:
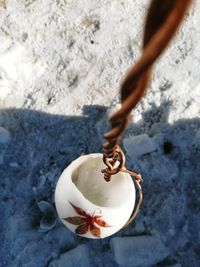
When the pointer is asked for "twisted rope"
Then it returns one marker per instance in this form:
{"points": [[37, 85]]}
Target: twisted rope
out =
{"points": [[162, 21]]}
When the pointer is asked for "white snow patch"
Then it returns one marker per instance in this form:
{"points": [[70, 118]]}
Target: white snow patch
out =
{"points": [[18, 71]]}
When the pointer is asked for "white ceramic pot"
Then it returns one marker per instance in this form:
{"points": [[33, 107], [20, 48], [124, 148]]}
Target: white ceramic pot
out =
{"points": [[90, 206]]}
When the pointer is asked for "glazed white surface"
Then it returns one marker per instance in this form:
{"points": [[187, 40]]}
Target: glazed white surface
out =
{"points": [[117, 196]]}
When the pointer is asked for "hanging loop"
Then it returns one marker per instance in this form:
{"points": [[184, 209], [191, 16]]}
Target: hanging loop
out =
{"points": [[119, 158], [111, 170]]}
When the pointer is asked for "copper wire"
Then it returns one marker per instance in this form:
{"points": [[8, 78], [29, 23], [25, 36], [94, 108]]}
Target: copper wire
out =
{"points": [[162, 21]]}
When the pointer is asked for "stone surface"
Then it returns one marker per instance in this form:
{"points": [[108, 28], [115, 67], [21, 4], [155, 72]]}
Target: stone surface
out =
{"points": [[136, 146], [78, 257], [4, 136], [138, 251]]}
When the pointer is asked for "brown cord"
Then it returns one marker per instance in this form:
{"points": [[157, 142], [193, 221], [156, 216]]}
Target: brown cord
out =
{"points": [[162, 21]]}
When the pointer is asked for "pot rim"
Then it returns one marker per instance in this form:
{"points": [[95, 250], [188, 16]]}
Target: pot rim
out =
{"points": [[77, 163]]}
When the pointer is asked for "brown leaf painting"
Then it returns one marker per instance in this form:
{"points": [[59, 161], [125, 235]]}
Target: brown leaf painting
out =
{"points": [[86, 222]]}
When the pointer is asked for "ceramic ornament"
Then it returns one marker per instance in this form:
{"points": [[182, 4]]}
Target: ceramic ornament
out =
{"points": [[87, 204]]}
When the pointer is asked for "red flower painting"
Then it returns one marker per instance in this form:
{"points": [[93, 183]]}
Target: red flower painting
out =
{"points": [[86, 222]]}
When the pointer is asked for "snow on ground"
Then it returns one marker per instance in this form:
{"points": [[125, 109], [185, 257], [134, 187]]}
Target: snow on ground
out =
{"points": [[61, 63]]}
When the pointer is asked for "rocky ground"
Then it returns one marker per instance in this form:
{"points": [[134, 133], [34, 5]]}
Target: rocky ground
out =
{"points": [[61, 63]]}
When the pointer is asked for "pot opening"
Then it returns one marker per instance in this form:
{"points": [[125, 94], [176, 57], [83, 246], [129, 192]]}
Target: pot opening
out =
{"points": [[90, 182]]}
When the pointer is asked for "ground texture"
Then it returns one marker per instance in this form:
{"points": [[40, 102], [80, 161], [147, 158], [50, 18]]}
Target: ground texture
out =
{"points": [[61, 63]]}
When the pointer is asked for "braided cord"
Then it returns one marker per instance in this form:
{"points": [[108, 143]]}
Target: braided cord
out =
{"points": [[162, 21]]}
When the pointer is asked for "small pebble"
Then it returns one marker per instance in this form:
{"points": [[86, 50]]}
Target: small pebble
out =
{"points": [[14, 164], [4, 136], [76, 257]]}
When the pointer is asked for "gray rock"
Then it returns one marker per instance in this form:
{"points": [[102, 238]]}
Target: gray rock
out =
{"points": [[78, 257], [138, 251], [4, 136], [137, 146]]}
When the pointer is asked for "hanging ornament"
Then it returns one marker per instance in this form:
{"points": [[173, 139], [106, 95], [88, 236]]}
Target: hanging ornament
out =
{"points": [[95, 195], [90, 206]]}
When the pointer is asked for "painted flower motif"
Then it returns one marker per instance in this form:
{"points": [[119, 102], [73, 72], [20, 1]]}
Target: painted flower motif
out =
{"points": [[86, 222]]}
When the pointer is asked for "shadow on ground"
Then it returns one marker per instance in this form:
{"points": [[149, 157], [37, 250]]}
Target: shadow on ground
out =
{"points": [[42, 145]]}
